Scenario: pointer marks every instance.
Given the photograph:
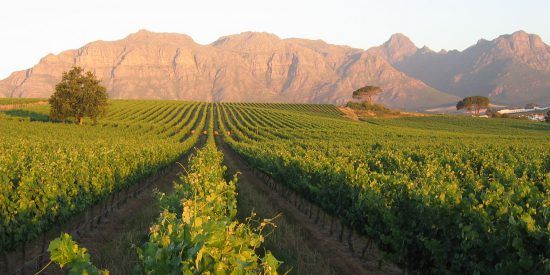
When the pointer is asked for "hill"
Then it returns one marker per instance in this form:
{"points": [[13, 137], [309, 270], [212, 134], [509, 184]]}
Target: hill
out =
{"points": [[247, 67], [511, 69], [261, 67]]}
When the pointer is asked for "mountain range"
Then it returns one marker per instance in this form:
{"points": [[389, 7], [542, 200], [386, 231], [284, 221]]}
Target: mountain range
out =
{"points": [[261, 67]]}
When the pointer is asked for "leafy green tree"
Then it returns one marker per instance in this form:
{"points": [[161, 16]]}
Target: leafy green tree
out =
{"points": [[367, 93], [473, 103], [531, 106], [79, 94]]}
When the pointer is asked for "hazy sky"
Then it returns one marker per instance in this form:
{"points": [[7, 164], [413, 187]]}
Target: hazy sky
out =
{"points": [[32, 29]]}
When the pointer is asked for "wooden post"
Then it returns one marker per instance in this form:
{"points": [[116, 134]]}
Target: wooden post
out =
{"points": [[113, 201], [42, 250], [24, 255], [367, 245], [99, 212], [105, 208], [350, 243], [342, 228], [317, 216], [6, 264], [91, 219]]}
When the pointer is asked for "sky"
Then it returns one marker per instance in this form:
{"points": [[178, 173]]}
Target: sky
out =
{"points": [[31, 29]]}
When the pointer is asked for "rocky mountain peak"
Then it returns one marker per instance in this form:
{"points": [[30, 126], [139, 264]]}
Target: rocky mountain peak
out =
{"points": [[248, 41], [512, 68], [142, 32], [261, 67], [425, 50], [398, 40], [145, 36], [398, 47], [520, 42], [522, 47]]}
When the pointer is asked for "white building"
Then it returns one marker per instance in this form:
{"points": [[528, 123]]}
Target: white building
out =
{"points": [[515, 111], [536, 117]]}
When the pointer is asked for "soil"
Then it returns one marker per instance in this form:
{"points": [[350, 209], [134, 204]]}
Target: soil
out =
{"points": [[336, 253], [135, 215], [103, 238], [349, 113]]}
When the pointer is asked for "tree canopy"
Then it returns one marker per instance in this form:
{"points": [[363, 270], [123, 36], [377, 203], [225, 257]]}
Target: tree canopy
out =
{"points": [[367, 93], [473, 103], [531, 106], [79, 94]]}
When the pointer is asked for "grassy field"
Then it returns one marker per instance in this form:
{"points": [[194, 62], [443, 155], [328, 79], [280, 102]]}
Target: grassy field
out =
{"points": [[14, 101]]}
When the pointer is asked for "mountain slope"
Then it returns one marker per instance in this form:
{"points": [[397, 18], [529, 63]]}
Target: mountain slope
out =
{"points": [[511, 69], [244, 67]]}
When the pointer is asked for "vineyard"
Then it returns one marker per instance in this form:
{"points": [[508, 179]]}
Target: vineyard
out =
{"points": [[438, 194], [14, 101], [435, 194], [52, 171]]}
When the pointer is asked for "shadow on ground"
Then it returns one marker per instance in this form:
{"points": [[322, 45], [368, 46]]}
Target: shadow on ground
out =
{"points": [[543, 127], [33, 116]]}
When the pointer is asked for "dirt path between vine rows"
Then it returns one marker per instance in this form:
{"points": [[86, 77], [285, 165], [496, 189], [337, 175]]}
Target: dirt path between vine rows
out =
{"points": [[112, 243], [336, 253]]}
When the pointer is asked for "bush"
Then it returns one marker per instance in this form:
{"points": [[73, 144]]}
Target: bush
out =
{"points": [[377, 109], [491, 112]]}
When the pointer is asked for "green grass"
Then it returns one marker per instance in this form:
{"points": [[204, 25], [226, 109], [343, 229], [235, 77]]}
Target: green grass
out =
{"points": [[12, 101]]}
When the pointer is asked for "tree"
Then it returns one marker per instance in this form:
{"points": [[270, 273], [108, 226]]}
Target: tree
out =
{"points": [[531, 106], [492, 112], [547, 117], [366, 93], [78, 95], [473, 103]]}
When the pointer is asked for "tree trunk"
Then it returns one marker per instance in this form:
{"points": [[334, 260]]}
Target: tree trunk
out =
{"points": [[369, 99], [80, 120]]}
